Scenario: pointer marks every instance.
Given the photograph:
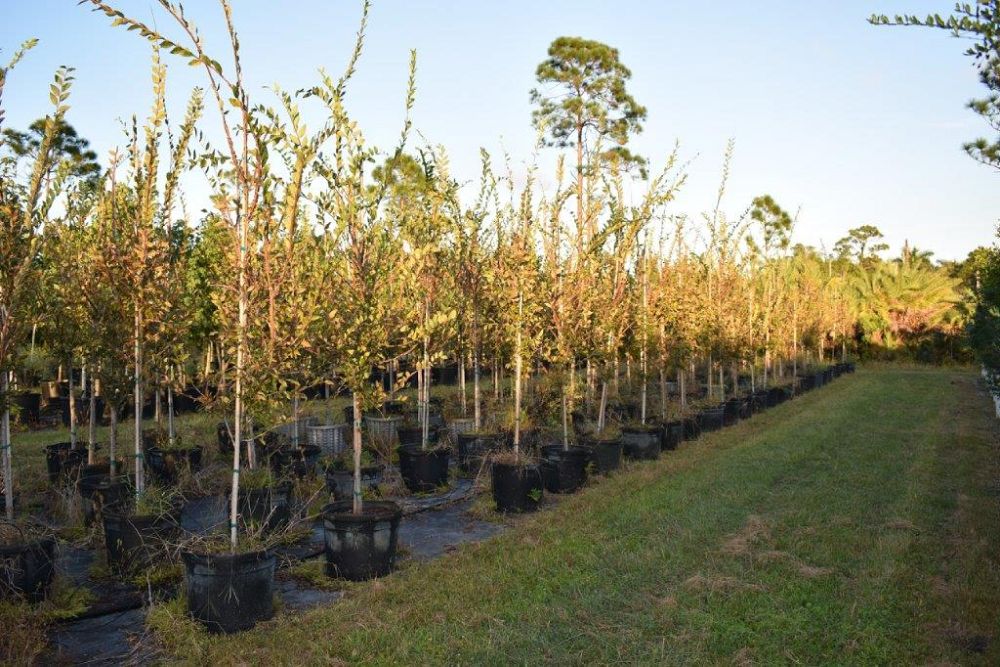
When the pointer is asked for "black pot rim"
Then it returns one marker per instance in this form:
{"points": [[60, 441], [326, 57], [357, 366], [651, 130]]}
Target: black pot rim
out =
{"points": [[640, 428], [414, 449], [372, 511], [46, 544], [228, 561], [533, 467]]}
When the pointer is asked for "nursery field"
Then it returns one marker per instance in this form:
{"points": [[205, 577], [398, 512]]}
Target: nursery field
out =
{"points": [[855, 524]]}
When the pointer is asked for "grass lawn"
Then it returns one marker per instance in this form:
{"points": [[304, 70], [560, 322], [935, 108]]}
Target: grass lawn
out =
{"points": [[856, 525]]}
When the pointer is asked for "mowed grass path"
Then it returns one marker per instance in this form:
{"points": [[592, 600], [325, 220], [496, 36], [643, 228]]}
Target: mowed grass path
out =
{"points": [[855, 525]]}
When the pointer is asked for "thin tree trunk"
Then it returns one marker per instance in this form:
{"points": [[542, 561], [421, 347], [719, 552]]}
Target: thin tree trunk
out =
{"points": [[358, 504], [663, 395], [603, 407], [113, 438], [92, 423], [477, 415], [72, 410], [5, 446], [425, 426], [137, 402], [682, 387], [461, 384], [171, 431]]}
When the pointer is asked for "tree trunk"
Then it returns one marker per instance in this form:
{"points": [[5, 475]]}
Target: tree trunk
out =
{"points": [[461, 384], [477, 415], [682, 388], [5, 447], [171, 432], [137, 402], [113, 438], [92, 423], [358, 503], [72, 410]]}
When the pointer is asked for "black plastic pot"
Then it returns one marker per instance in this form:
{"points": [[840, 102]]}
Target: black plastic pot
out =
{"points": [[423, 470], [731, 411], [473, 448], [100, 492], [413, 435], [711, 419], [606, 455], [564, 470], [27, 568], [136, 542], [270, 507], [340, 483], [165, 465], [29, 407], [641, 442], [692, 428], [776, 396], [361, 546], [758, 401], [229, 592], [828, 376], [807, 383], [673, 433], [62, 461], [516, 488]]}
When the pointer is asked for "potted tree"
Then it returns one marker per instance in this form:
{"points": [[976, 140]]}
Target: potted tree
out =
{"points": [[27, 552], [516, 480], [362, 252]]}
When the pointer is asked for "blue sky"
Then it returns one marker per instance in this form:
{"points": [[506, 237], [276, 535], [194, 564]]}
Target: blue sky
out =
{"points": [[847, 123]]}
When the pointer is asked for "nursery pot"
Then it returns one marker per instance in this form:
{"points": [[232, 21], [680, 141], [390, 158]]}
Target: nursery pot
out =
{"points": [[564, 470], [711, 419], [758, 401], [340, 483], [641, 442], [423, 470], [270, 507], [776, 396], [229, 592], [673, 433], [383, 428], [473, 449], [63, 461], [606, 455], [731, 411], [135, 542], [692, 429], [100, 492], [26, 568], [361, 546], [29, 406], [516, 488], [413, 435], [330, 439], [167, 464]]}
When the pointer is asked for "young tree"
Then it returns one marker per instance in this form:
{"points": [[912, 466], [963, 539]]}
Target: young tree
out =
{"points": [[24, 206]]}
